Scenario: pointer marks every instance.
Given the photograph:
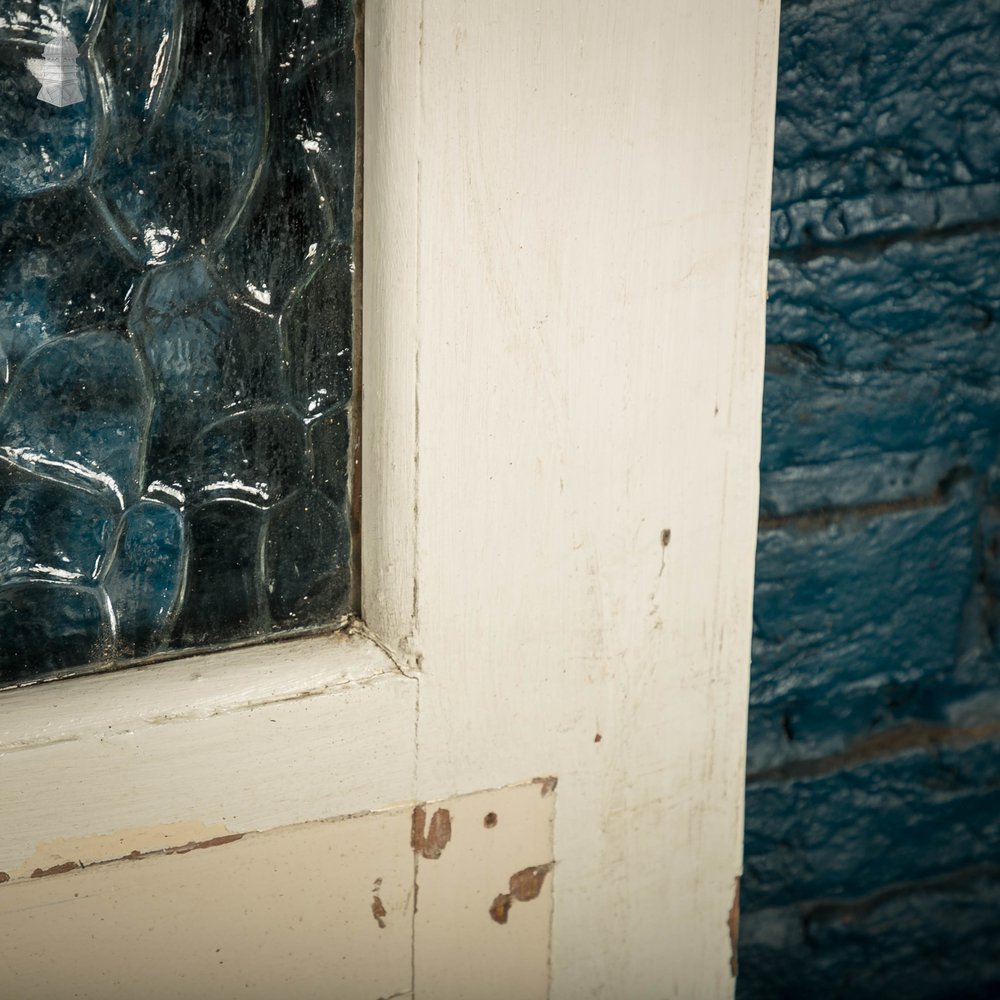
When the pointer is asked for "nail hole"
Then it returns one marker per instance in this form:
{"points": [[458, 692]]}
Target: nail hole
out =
{"points": [[490, 820]]}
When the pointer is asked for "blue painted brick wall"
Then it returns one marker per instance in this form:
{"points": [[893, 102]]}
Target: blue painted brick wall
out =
{"points": [[873, 801]]}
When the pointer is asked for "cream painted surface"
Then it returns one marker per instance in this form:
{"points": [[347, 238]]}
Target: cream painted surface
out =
{"points": [[389, 580], [243, 740], [282, 914], [461, 952], [566, 238], [324, 909], [592, 188]]}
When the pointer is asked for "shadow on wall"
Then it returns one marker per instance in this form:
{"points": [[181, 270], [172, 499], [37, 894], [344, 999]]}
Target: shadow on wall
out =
{"points": [[873, 799]]}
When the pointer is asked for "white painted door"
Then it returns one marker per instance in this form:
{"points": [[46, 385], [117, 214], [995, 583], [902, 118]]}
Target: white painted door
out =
{"points": [[564, 278]]}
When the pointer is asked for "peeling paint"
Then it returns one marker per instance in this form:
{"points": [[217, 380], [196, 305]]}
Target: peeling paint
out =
{"points": [[524, 886], [135, 855], [200, 845], [500, 907], [470, 891], [66, 866], [130, 843], [214, 908], [548, 785], [437, 837], [734, 931]]}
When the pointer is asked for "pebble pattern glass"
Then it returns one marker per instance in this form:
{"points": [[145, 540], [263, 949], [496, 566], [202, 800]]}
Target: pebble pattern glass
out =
{"points": [[176, 272]]}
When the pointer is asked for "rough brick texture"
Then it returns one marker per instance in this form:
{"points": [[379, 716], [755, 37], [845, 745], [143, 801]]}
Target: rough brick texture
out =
{"points": [[919, 941], [862, 828], [875, 694], [887, 118]]}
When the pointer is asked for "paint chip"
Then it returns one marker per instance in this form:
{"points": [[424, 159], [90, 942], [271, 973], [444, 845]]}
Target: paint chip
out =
{"points": [[378, 911], [199, 845], [734, 931], [524, 886], [548, 785], [431, 844], [66, 866], [500, 908]]}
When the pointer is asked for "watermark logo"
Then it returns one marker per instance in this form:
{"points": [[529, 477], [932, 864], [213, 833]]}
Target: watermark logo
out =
{"points": [[56, 71]]}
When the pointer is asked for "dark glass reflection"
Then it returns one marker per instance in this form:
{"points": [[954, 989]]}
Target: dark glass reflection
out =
{"points": [[176, 273]]}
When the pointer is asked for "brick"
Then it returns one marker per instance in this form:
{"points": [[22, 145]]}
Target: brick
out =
{"points": [[924, 941], [878, 102], [858, 621], [914, 305], [893, 357], [798, 727], [877, 617], [822, 223], [880, 478], [851, 832], [849, 574]]}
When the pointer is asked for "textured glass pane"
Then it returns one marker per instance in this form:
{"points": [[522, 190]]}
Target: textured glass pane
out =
{"points": [[176, 317]]}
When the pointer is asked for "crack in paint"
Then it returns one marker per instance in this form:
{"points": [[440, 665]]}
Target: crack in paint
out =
{"points": [[66, 866], [198, 845], [69, 866]]}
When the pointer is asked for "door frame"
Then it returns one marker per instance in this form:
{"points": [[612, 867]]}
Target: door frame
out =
{"points": [[565, 210]]}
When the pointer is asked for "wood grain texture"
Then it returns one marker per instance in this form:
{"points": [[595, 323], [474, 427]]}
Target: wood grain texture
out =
{"points": [[463, 949], [564, 289], [312, 909], [592, 194], [280, 914], [243, 740], [391, 310]]}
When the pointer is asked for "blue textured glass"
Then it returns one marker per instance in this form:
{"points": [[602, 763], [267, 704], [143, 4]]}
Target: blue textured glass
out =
{"points": [[176, 323]]}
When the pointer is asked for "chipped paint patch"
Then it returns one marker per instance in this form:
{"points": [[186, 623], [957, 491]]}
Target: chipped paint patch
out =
{"points": [[128, 843], [270, 914], [219, 930], [430, 844], [733, 922], [500, 907], [66, 866], [195, 845], [462, 911], [548, 785], [524, 886], [379, 912]]}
